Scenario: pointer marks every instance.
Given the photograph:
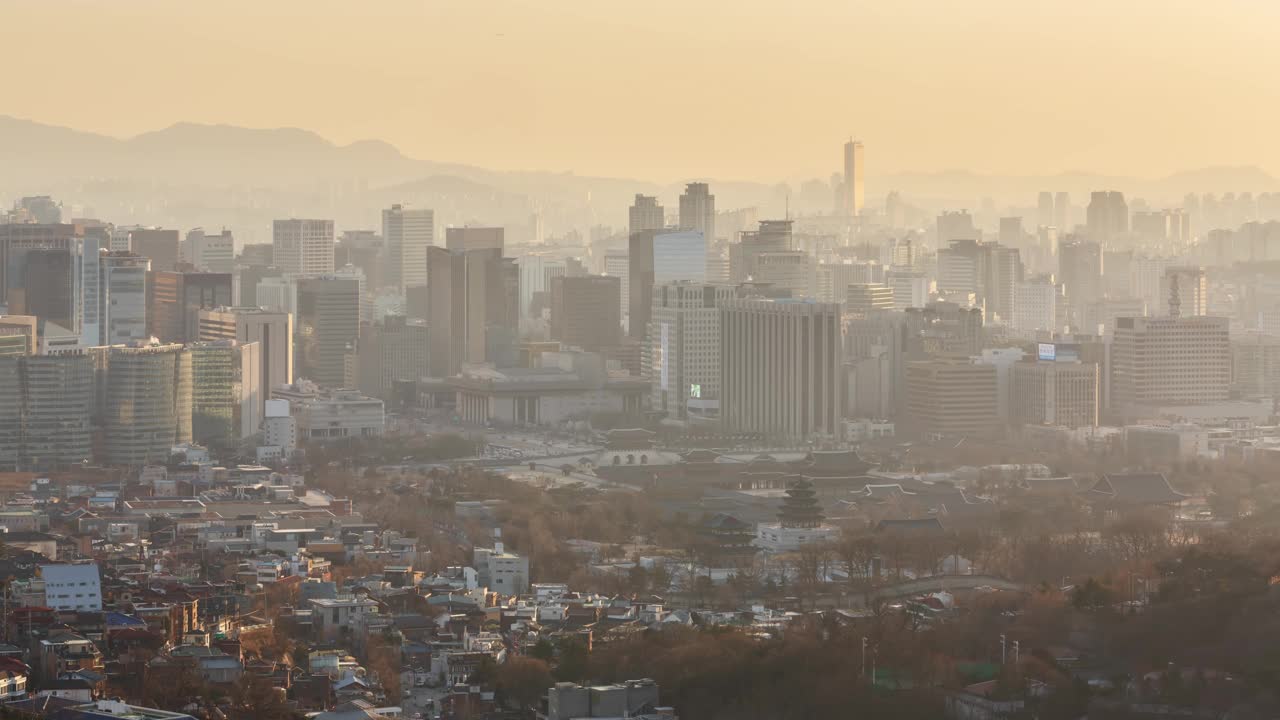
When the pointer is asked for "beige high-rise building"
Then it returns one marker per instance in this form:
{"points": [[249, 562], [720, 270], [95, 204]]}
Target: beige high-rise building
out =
{"points": [[302, 247], [273, 331], [698, 211], [406, 235], [1055, 393], [645, 214], [791, 270], [853, 177], [780, 368], [46, 403], [952, 397], [1255, 365], [863, 298], [1169, 361]]}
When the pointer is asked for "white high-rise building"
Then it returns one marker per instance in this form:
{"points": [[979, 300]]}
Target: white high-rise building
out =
{"points": [[910, 287], [303, 247], [682, 351], [211, 253], [122, 289], [1035, 306], [406, 235]]}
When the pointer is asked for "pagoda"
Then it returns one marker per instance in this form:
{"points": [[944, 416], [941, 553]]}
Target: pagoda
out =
{"points": [[800, 508]]}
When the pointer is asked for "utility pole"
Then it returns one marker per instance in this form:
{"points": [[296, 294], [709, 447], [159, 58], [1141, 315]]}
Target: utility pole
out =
{"points": [[1016, 653], [1003, 649], [864, 657]]}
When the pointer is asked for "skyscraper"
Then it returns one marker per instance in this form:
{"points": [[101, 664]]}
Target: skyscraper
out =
{"points": [[144, 401], [209, 252], [473, 307], [853, 177], [698, 210], [1107, 216], [952, 397], [1044, 210], [176, 298], [271, 330], [406, 235], [681, 357], [122, 291], [394, 350], [303, 247], [1062, 212], [1169, 361], [161, 246], [46, 404], [586, 312], [771, 236], [226, 392], [780, 368], [51, 271], [645, 214], [660, 256], [328, 329], [461, 239]]}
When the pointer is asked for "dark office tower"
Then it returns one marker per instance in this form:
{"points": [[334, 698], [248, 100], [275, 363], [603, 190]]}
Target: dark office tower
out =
{"points": [[1044, 210], [60, 262], [391, 352], [407, 234], [645, 214], [474, 238], [328, 329], [161, 246], [1062, 212], [586, 311], [698, 210], [41, 209], [259, 254], [853, 177], [176, 299], [473, 308], [956, 225], [1107, 216], [1080, 270], [50, 288], [660, 256], [249, 277], [272, 331], [771, 236], [364, 249]]}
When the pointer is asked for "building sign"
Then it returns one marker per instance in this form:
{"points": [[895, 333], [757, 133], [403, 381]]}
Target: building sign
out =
{"points": [[1048, 351], [695, 391]]}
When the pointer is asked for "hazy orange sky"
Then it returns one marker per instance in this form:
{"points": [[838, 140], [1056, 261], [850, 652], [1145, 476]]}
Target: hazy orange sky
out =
{"points": [[668, 89]]}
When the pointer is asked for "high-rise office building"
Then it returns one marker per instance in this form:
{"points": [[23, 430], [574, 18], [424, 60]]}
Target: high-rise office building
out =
{"points": [[952, 397], [46, 404], [211, 253], [1255, 366], [302, 247], [793, 271], [462, 239], [781, 373], [853, 177], [865, 298], [175, 300], [51, 271], [1107, 216], [227, 396], [1062, 212], [586, 312], [1035, 306], [1055, 393], [645, 214], [271, 330], [770, 236], [956, 225], [19, 335], [392, 351], [1169, 361], [910, 287], [144, 401], [660, 256], [1044, 210], [160, 246], [473, 307], [122, 293], [698, 210], [41, 209], [681, 356], [327, 329], [1080, 270], [406, 235]]}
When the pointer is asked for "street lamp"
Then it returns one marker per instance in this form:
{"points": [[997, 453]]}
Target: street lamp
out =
{"points": [[1003, 649]]}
